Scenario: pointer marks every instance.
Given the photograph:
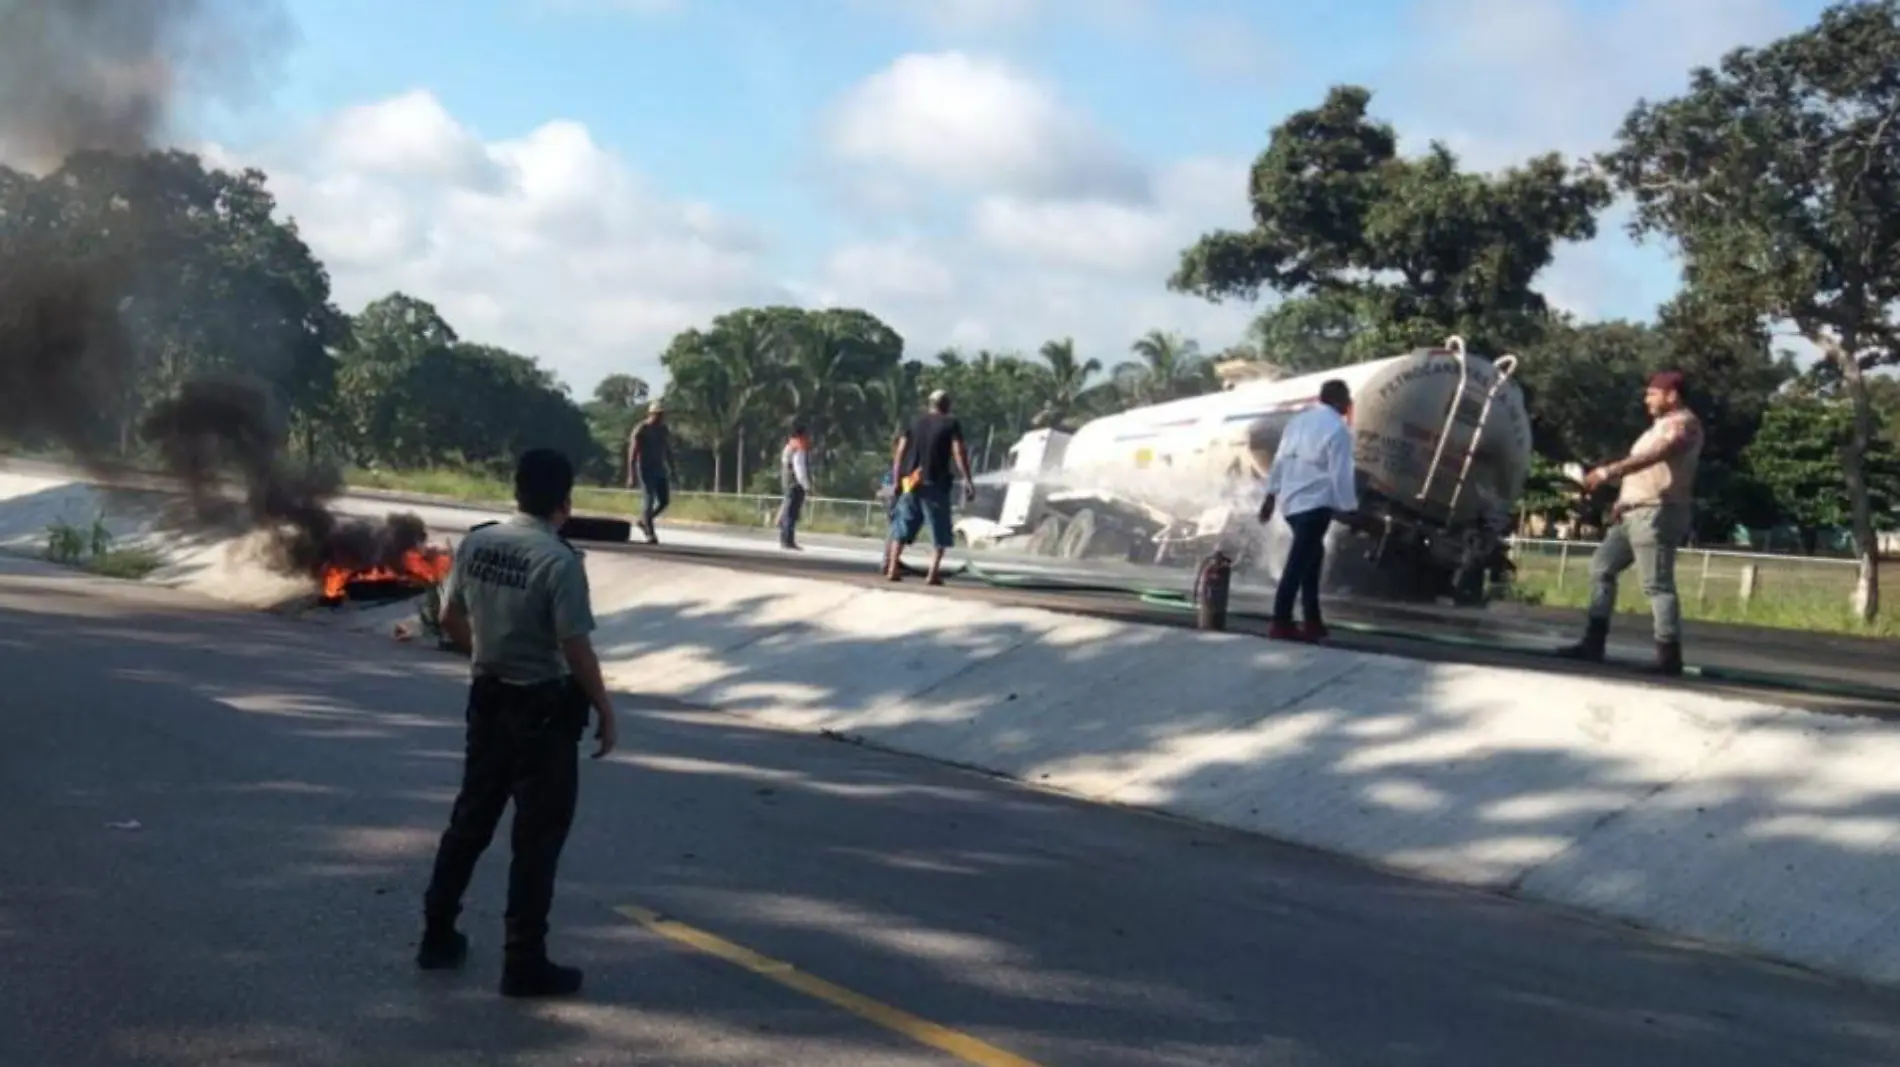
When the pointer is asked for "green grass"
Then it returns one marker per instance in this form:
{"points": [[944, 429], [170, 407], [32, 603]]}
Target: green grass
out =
{"points": [[1790, 593], [850, 518], [90, 549], [131, 564]]}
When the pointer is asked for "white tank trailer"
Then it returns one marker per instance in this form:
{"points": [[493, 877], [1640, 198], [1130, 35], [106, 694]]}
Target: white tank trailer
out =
{"points": [[1442, 441]]}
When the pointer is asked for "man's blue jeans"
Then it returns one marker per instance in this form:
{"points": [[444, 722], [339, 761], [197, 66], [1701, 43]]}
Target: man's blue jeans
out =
{"points": [[655, 496], [1304, 561]]}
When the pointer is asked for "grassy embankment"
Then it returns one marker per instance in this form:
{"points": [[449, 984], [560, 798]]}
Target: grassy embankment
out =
{"points": [[853, 518], [91, 549], [1790, 593]]}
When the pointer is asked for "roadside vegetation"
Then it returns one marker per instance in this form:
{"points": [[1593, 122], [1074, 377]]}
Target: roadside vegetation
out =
{"points": [[91, 549], [1822, 610], [847, 518]]}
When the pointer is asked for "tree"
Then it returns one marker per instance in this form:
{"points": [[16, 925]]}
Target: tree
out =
{"points": [[1776, 177], [622, 392], [482, 405], [414, 394], [1584, 384], [738, 384], [187, 273], [1306, 334], [718, 377], [1068, 386], [381, 399], [620, 401], [1166, 366], [835, 356], [1413, 248], [1798, 459]]}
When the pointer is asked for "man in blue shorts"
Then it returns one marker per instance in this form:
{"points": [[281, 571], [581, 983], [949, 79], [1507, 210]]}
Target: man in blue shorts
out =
{"points": [[922, 476]]}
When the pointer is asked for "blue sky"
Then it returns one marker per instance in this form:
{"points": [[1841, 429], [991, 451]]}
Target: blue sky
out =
{"points": [[579, 179]]}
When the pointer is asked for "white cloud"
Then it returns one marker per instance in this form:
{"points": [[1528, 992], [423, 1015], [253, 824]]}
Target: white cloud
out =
{"points": [[1061, 233], [1026, 271], [975, 124], [546, 243], [1505, 78], [1501, 80], [902, 269], [967, 18]]}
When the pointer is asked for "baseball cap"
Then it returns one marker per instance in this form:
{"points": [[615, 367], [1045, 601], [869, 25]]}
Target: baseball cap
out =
{"points": [[1668, 380]]}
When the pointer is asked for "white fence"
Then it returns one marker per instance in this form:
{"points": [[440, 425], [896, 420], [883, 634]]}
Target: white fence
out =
{"points": [[864, 518], [1704, 576]]}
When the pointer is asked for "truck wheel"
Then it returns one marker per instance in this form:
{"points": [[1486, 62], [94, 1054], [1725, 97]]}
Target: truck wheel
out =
{"points": [[1077, 538], [1048, 537]]}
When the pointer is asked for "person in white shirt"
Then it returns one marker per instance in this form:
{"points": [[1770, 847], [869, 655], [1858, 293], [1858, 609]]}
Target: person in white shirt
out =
{"points": [[1311, 482], [794, 469]]}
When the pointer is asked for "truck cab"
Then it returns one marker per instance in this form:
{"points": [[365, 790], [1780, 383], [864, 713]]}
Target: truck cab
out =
{"points": [[1035, 455]]}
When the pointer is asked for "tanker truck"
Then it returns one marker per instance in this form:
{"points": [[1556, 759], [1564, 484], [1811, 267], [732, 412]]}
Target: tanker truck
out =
{"points": [[1442, 444]]}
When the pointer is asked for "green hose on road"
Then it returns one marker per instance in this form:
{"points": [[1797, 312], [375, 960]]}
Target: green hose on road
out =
{"points": [[1171, 600]]}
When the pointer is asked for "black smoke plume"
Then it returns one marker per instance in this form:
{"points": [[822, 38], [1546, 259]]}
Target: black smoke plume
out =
{"points": [[82, 76]]}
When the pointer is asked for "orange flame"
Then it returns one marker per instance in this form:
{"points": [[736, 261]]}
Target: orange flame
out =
{"points": [[422, 566]]}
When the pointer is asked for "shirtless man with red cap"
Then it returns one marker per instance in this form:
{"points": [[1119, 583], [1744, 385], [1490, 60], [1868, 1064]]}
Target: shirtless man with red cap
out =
{"points": [[1649, 521]]}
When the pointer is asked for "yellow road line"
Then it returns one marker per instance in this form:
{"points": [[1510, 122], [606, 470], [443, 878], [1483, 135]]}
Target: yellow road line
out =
{"points": [[962, 1046]]}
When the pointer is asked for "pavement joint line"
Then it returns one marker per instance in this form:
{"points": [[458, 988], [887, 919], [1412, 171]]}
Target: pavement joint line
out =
{"points": [[964, 1047]]}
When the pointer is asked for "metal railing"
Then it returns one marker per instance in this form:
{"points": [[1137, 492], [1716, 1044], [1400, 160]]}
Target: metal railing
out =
{"points": [[1707, 577], [822, 514]]}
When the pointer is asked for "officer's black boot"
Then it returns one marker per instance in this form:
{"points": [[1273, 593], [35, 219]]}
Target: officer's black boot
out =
{"points": [[1669, 658], [443, 947], [1596, 636], [527, 972]]}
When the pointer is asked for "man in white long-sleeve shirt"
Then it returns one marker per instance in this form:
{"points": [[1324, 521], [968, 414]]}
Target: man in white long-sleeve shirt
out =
{"points": [[1311, 483], [794, 470]]}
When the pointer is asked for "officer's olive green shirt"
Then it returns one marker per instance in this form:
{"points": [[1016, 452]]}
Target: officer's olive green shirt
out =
{"points": [[525, 591]]}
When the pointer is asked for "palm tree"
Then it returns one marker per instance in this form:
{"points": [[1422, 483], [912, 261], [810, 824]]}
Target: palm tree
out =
{"points": [[722, 386], [1068, 381], [1168, 367], [821, 380]]}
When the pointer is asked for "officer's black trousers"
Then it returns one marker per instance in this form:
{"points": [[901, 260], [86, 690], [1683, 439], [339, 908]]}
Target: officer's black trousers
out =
{"points": [[522, 744]]}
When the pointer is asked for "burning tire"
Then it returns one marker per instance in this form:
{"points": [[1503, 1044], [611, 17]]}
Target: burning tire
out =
{"points": [[595, 528]]}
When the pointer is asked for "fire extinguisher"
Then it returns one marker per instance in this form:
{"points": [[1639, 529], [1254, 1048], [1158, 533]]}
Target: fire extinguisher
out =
{"points": [[1210, 591]]}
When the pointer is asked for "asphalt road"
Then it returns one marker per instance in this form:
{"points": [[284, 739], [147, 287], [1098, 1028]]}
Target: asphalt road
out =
{"points": [[218, 824]]}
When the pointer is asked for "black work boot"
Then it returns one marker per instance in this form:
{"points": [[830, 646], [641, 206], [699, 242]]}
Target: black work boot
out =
{"points": [[442, 948], [526, 971], [1596, 635], [1669, 658]]}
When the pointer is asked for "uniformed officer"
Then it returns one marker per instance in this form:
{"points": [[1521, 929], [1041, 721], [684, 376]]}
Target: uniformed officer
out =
{"points": [[517, 598]]}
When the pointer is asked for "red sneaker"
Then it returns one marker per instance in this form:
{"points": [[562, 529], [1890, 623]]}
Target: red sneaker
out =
{"points": [[1315, 631], [1281, 631]]}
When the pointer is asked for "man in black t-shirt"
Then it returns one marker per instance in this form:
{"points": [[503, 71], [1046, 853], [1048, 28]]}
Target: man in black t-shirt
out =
{"points": [[922, 475], [650, 466]]}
